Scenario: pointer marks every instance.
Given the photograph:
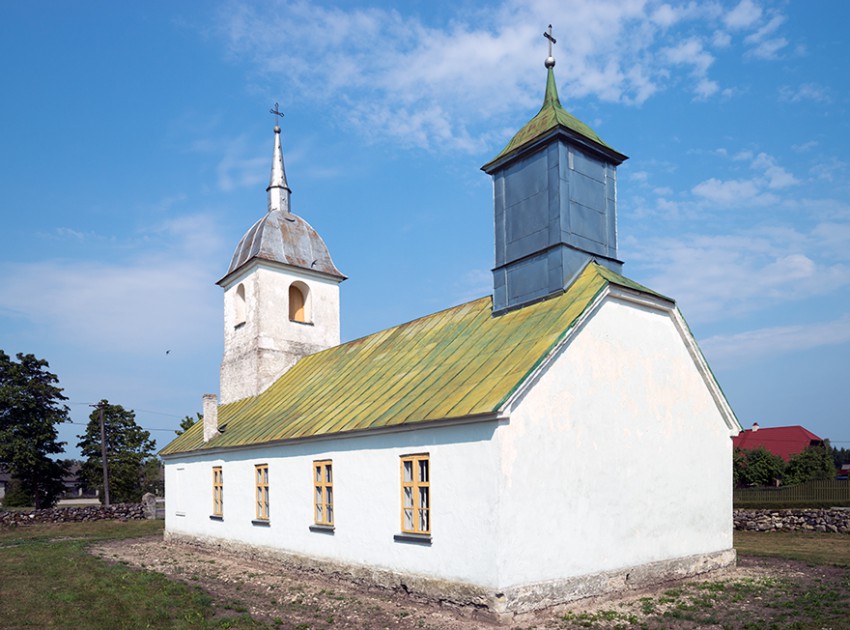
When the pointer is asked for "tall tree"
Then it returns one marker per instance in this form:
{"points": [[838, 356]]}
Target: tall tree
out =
{"points": [[128, 450], [840, 456], [757, 467], [188, 422], [813, 463], [31, 407]]}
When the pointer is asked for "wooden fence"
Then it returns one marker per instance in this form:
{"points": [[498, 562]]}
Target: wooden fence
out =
{"points": [[819, 492]]}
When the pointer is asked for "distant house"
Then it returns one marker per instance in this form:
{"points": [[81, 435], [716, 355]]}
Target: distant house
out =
{"points": [[782, 441], [73, 483]]}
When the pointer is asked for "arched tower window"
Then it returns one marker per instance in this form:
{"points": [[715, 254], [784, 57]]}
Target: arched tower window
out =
{"points": [[298, 302], [239, 306]]}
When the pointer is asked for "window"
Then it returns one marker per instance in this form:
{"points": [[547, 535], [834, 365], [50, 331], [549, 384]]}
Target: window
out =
{"points": [[239, 306], [415, 495], [323, 486], [262, 476], [218, 491], [298, 302]]}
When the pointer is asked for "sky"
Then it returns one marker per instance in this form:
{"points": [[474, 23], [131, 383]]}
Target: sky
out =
{"points": [[137, 143]]}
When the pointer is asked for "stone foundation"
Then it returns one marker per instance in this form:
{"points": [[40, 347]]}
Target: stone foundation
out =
{"points": [[793, 520], [530, 597], [513, 600]]}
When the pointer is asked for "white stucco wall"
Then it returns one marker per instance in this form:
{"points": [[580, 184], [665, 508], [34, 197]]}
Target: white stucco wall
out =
{"points": [[267, 344], [463, 471], [616, 457]]}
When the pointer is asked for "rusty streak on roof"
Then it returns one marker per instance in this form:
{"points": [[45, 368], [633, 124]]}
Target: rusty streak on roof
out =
{"points": [[458, 363]]}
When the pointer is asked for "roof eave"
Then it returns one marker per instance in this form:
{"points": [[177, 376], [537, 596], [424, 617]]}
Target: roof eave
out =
{"points": [[596, 148], [397, 428], [258, 260]]}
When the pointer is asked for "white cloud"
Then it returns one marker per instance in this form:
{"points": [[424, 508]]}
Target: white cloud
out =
{"points": [[777, 177], [776, 340], [472, 285], [764, 45], [805, 92], [746, 13], [753, 191], [690, 52], [728, 192], [159, 299], [429, 86], [805, 146], [235, 169], [720, 277], [721, 39], [705, 88]]}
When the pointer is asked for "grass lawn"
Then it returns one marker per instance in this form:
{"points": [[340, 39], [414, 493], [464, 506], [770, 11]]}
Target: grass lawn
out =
{"points": [[811, 547], [48, 580]]}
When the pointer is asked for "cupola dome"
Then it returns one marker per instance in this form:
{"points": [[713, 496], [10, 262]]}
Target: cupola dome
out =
{"points": [[281, 236]]}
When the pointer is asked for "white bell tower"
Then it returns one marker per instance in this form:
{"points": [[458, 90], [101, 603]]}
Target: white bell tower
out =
{"points": [[281, 295]]}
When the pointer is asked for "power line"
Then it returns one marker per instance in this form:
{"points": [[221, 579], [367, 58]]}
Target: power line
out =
{"points": [[85, 424], [156, 413]]}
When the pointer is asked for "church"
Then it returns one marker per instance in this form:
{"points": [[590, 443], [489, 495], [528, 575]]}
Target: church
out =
{"points": [[465, 455]]}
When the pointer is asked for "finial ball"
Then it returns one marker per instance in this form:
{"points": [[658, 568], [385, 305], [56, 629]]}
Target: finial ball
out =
{"points": [[550, 62], [277, 129]]}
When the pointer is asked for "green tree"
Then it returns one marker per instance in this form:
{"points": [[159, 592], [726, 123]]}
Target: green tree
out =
{"points": [[758, 467], [840, 456], [188, 422], [813, 463], [128, 451], [31, 407]]}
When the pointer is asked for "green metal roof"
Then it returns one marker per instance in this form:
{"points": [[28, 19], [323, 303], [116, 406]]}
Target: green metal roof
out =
{"points": [[457, 363], [551, 116]]}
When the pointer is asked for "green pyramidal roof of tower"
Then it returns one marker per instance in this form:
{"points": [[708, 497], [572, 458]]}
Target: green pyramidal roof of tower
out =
{"points": [[551, 117]]}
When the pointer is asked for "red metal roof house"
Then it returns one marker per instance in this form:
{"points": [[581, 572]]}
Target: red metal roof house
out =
{"points": [[782, 441]]}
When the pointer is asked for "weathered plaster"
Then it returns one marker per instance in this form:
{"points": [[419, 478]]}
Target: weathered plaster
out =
{"points": [[616, 456], [267, 343]]}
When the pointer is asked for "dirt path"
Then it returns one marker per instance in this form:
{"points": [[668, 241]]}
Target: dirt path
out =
{"points": [[300, 599]]}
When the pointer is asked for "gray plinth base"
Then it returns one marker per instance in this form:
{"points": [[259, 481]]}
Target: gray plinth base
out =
{"points": [[512, 600]]}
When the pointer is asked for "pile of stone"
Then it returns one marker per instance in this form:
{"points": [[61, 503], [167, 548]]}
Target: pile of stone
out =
{"points": [[796, 520], [120, 511]]}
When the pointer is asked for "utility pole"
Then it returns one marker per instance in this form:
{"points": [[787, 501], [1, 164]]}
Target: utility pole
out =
{"points": [[103, 456]]}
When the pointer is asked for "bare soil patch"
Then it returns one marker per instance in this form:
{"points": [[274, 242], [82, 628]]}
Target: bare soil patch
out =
{"points": [[760, 591]]}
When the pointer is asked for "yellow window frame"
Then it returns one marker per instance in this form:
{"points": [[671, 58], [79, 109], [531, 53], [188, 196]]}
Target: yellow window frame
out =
{"points": [[261, 477], [416, 494], [323, 502], [218, 491]]}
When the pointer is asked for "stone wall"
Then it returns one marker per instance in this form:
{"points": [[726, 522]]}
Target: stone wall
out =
{"points": [[120, 511], [813, 520]]}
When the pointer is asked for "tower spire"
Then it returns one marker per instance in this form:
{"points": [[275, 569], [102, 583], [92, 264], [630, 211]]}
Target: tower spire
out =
{"points": [[278, 189]]}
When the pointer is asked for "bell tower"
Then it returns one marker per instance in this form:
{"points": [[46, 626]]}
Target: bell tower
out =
{"points": [[281, 294], [555, 203]]}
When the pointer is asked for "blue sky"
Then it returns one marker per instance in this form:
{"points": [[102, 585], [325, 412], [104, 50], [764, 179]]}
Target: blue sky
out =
{"points": [[137, 146]]}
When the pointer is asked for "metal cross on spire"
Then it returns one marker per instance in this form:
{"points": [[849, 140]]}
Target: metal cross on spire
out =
{"points": [[276, 111], [550, 60]]}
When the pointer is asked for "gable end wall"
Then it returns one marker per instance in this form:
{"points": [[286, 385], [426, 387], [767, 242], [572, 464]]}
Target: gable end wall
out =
{"points": [[616, 457]]}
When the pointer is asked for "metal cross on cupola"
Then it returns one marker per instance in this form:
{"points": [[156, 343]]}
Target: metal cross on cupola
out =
{"points": [[550, 60], [276, 111]]}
